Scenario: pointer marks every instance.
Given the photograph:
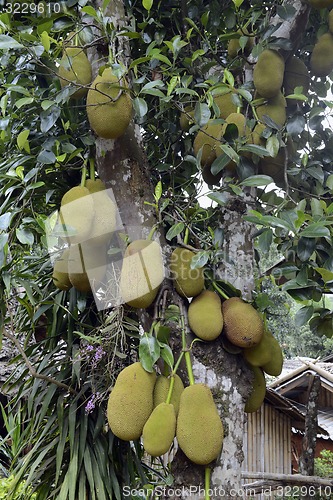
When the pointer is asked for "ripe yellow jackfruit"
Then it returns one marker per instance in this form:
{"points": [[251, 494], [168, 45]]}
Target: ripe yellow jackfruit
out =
{"points": [[205, 315], [243, 325], [275, 108], [321, 60], [295, 75], [160, 429], [188, 282], [268, 73], [161, 391], [131, 402], [87, 266], [274, 365], [60, 272], [261, 353], [258, 392], [76, 214], [321, 4], [109, 108], [142, 273], [208, 139], [186, 119], [225, 104], [234, 46], [75, 68], [199, 428]]}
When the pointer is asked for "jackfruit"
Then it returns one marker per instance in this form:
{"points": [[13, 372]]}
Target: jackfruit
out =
{"points": [[274, 365], [275, 166], [261, 353], [86, 266], [160, 429], [95, 185], [321, 4], [199, 428], [256, 135], [258, 392], [205, 315], [161, 390], [109, 107], [321, 60], [243, 325], [225, 104], [295, 75], [186, 119], [75, 68], [208, 139], [105, 219], [268, 73], [234, 45], [275, 108], [142, 273], [239, 120], [60, 272], [188, 282], [77, 214], [209, 178], [131, 402]]}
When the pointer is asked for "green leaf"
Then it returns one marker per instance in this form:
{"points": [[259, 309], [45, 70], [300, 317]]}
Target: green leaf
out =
{"points": [[5, 220], [90, 11], [273, 145], [24, 236], [23, 102], [167, 355], [149, 352], [296, 124], [305, 248], [257, 180], [238, 3], [147, 4], [140, 107], [265, 240], [257, 150], [22, 140], [303, 315], [201, 113], [326, 274], [7, 42], [220, 198], [199, 259], [175, 230], [158, 191], [46, 41], [219, 164], [315, 230]]}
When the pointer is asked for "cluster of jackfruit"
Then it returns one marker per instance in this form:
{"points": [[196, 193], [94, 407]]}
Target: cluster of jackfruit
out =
{"points": [[137, 408], [75, 67], [87, 218], [321, 61]]}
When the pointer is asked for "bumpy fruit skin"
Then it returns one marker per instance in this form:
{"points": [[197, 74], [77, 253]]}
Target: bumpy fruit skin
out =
{"points": [[188, 282], [225, 104], [75, 67], [320, 4], [243, 325], [274, 365], [108, 118], [131, 402], [105, 218], [205, 315], [76, 214], [296, 74], [268, 73], [234, 45], [199, 427], [186, 119], [160, 429], [258, 392], [87, 266], [161, 390], [275, 108], [208, 139], [261, 353], [60, 272], [142, 273], [321, 60]]}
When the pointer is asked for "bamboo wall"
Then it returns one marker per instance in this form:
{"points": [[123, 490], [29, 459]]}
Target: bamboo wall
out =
{"points": [[267, 443]]}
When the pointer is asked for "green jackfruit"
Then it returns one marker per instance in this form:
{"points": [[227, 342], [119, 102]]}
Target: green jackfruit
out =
{"points": [[239, 120], [209, 178], [268, 73], [261, 353], [208, 139], [87, 266], [105, 219], [188, 282], [131, 402], [295, 75], [205, 315], [95, 185], [275, 108], [258, 392], [321, 60], [234, 46], [109, 107], [160, 429], [77, 214], [274, 365], [199, 428], [243, 325], [225, 104], [257, 137], [162, 387], [60, 272], [75, 68], [321, 4], [142, 273], [186, 119], [275, 166]]}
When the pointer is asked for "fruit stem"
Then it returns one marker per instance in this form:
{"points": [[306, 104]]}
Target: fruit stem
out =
{"points": [[92, 168], [152, 232], [187, 233], [172, 383], [221, 292], [83, 175], [207, 483], [186, 351]]}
